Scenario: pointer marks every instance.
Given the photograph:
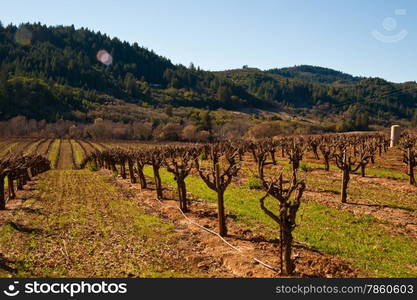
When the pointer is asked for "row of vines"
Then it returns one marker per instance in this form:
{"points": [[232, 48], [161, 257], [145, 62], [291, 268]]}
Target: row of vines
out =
{"points": [[219, 163], [16, 171]]}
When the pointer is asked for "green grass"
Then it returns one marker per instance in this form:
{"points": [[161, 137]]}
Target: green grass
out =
{"points": [[78, 153], [371, 170], [98, 146], [81, 225], [361, 240], [365, 192], [386, 173], [53, 153], [373, 192], [253, 183]]}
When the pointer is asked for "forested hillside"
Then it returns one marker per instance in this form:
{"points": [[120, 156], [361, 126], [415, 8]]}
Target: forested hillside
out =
{"points": [[315, 74], [379, 99], [55, 73]]}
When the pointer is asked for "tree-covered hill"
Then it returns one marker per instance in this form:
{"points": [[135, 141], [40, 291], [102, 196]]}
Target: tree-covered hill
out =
{"points": [[63, 60], [383, 101], [54, 73], [68, 56], [315, 74]]}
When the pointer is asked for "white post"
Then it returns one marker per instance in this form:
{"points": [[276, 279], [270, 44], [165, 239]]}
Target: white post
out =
{"points": [[395, 135]]}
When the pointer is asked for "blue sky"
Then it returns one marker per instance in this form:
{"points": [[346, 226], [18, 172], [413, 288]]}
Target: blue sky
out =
{"points": [[350, 36]]}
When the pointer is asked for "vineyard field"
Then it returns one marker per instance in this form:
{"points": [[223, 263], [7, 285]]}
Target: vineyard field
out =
{"points": [[92, 215]]}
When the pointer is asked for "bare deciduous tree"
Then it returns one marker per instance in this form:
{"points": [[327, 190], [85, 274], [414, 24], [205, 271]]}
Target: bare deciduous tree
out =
{"points": [[141, 160], [295, 149], [289, 201], [16, 168], [179, 161], [348, 165], [156, 160], [219, 173], [327, 150], [408, 146]]}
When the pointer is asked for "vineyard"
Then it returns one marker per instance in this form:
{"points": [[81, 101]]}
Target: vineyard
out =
{"points": [[336, 205]]}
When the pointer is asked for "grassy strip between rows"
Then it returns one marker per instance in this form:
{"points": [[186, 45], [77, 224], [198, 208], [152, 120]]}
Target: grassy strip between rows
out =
{"points": [[366, 192], [31, 148], [78, 153], [377, 171], [53, 153], [7, 149], [361, 240], [81, 225], [371, 170], [98, 146]]}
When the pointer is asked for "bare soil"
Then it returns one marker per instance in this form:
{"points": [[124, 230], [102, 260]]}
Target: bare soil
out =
{"points": [[65, 160], [43, 147], [102, 244]]}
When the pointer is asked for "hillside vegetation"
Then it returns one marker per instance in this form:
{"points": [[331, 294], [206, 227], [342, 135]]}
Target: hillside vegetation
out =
{"points": [[53, 73]]}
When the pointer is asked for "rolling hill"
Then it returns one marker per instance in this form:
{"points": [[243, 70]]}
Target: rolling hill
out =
{"points": [[315, 74], [55, 73]]}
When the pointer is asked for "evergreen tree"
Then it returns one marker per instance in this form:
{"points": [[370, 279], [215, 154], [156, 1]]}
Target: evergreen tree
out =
{"points": [[414, 119]]}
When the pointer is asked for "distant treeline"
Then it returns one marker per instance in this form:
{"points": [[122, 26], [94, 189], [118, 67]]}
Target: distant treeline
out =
{"points": [[204, 130]]}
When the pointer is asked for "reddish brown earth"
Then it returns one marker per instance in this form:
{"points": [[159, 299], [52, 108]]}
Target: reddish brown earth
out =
{"points": [[44, 146], [65, 159]]}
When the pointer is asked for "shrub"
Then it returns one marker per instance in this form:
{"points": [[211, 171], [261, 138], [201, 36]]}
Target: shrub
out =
{"points": [[253, 183], [203, 156], [304, 167], [92, 167]]}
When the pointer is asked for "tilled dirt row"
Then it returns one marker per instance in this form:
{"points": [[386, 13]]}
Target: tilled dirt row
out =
{"points": [[44, 147], [65, 160], [69, 229]]}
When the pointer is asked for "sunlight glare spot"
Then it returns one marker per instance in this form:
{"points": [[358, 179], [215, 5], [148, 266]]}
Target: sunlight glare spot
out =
{"points": [[104, 57]]}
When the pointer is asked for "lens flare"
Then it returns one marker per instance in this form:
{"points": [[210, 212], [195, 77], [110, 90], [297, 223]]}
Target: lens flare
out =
{"points": [[104, 57], [23, 36]]}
